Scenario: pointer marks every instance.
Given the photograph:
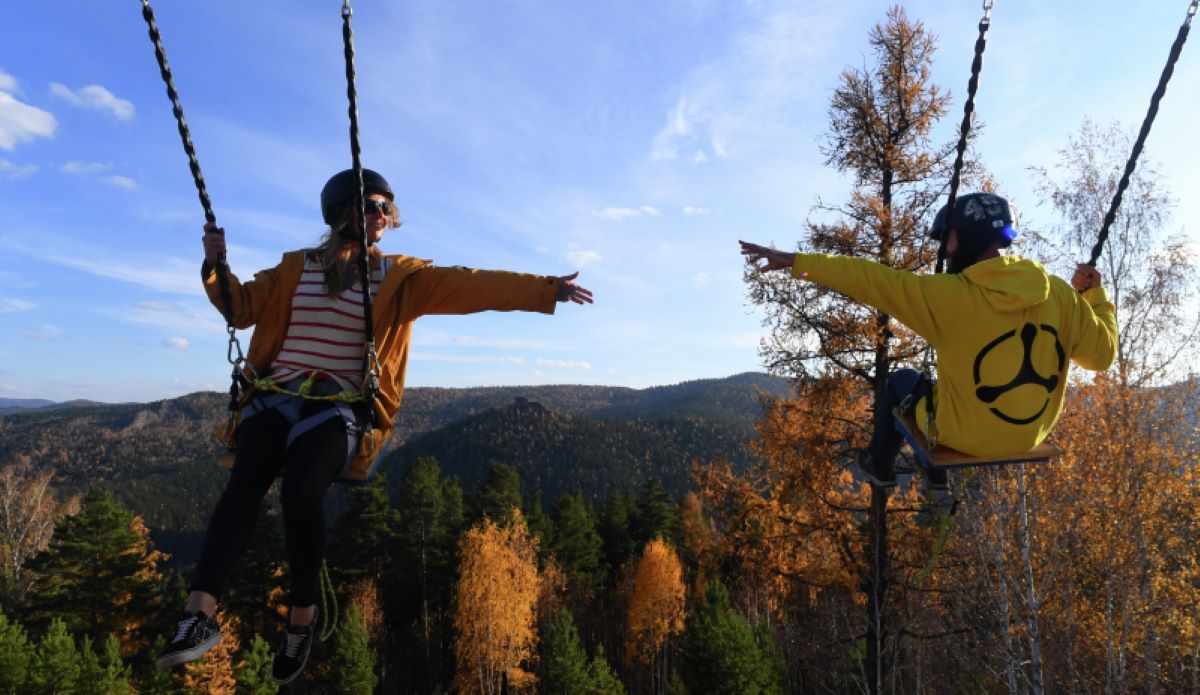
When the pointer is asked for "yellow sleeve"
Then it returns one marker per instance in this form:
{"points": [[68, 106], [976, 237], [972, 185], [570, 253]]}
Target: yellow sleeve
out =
{"points": [[249, 299], [457, 290], [1096, 338], [905, 296]]}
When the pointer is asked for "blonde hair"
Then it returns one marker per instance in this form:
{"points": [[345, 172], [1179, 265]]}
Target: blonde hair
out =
{"points": [[338, 249]]}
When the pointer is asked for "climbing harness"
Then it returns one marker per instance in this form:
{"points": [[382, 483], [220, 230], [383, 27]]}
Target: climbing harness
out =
{"points": [[1155, 99], [233, 352]]}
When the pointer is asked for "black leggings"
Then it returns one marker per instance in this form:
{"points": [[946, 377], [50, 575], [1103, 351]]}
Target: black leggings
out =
{"points": [[310, 466]]}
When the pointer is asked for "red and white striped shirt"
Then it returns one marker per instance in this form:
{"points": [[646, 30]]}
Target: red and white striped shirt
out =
{"points": [[326, 332]]}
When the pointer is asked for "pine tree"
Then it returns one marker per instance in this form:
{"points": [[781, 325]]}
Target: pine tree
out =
{"points": [[499, 493], [719, 651], [564, 662], [353, 659], [115, 673], [151, 680], [655, 515], [14, 655], [99, 574], [253, 671], [576, 544], [614, 529], [601, 678], [362, 537], [55, 667]]}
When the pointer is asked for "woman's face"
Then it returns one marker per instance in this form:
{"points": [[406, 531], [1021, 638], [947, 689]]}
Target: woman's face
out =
{"points": [[379, 210]]}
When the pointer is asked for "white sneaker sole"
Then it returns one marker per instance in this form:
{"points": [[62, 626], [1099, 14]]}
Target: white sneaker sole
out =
{"points": [[188, 655]]}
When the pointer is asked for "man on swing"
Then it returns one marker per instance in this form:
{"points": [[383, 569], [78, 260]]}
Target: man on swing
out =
{"points": [[1003, 328]]}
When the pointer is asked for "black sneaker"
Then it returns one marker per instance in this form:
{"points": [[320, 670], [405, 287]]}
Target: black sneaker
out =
{"points": [[936, 480], [879, 475], [196, 634], [293, 652]]}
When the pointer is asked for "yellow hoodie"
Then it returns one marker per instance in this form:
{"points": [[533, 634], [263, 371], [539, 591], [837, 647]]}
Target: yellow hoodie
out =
{"points": [[1005, 332], [412, 288]]}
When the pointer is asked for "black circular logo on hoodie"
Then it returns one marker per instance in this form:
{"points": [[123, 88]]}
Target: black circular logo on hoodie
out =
{"points": [[1027, 374]]}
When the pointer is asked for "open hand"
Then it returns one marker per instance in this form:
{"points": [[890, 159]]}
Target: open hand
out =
{"points": [[774, 259], [568, 291]]}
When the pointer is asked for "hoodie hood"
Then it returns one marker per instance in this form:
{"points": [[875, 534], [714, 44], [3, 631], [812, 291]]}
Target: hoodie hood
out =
{"points": [[1010, 283]]}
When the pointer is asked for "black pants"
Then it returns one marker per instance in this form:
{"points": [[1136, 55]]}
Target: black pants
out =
{"points": [[886, 439], [310, 465]]}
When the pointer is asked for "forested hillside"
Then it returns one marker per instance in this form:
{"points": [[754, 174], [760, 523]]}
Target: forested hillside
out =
{"points": [[158, 458]]}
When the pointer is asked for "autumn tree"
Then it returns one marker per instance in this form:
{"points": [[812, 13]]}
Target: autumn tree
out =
{"points": [[28, 511], [805, 502], [213, 674], [494, 615], [99, 574], [656, 610]]}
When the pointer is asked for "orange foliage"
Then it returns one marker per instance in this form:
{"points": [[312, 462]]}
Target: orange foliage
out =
{"points": [[494, 614], [656, 602], [213, 673]]}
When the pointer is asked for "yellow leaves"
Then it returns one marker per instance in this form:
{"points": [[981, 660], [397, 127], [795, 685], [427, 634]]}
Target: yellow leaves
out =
{"points": [[494, 614], [213, 674], [656, 603]]}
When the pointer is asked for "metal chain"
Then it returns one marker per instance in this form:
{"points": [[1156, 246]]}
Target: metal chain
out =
{"points": [[370, 358], [234, 350], [1131, 164]]}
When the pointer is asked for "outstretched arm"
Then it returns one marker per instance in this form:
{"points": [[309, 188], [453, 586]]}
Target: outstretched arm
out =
{"points": [[457, 290], [774, 259], [569, 291]]}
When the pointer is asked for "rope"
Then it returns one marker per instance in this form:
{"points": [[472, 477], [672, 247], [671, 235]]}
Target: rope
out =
{"points": [[305, 390], [370, 358], [1130, 165], [222, 266], [329, 606], [964, 128]]}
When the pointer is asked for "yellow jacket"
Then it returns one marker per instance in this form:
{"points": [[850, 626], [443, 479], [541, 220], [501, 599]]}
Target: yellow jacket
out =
{"points": [[411, 288], [1004, 330]]}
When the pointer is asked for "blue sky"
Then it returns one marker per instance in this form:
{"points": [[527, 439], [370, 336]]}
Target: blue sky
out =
{"points": [[633, 141]]}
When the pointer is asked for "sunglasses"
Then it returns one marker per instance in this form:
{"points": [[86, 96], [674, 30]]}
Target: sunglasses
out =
{"points": [[383, 207]]}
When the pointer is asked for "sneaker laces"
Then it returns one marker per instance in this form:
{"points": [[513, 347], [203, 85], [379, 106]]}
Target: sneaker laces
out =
{"points": [[184, 626], [292, 643]]}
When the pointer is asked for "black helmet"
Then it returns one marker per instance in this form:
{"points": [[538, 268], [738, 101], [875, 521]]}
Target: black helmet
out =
{"points": [[982, 219], [343, 187]]}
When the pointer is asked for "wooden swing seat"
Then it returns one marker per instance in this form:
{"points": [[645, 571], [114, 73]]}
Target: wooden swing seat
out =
{"points": [[943, 458]]}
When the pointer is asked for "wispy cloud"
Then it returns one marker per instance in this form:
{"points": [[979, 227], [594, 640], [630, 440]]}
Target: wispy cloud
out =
{"points": [[172, 275], [95, 98], [16, 171], [564, 364], [701, 279], [120, 182], [47, 333], [622, 214], [176, 343], [11, 306], [580, 257], [20, 122], [93, 169], [689, 210], [192, 318]]}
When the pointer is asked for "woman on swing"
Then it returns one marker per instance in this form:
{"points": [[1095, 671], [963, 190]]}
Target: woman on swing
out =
{"points": [[304, 421], [1004, 330]]}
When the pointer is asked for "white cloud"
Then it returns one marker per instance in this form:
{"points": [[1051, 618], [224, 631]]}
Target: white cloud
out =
{"points": [[20, 122], [622, 214], [192, 318], [699, 157], [10, 306], [96, 98], [666, 143], [701, 279], [501, 344], [580, 257], [8, 83], [564, 364], [47, 333], [16, 171], [689, 210], [121, 182], [176, 343], [169, 274], [78, 167]]}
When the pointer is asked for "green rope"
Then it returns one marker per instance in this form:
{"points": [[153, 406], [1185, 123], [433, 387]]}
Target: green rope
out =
{"points": [[305, 390], [329, 606]]}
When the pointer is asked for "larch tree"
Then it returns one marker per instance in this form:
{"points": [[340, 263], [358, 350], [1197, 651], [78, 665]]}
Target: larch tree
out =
{"points": [[839, 353], [495, 608], [28, 512], [656, 610]]}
